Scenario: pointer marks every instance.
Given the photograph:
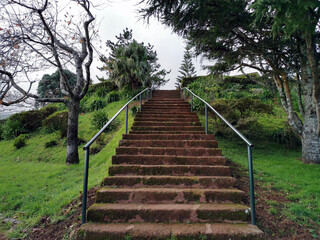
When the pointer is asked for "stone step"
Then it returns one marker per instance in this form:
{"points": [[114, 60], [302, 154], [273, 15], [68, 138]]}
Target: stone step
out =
{"points": [[167, 132], [169, 143], [168, 160], [169, 151], [170, 213], [164, 231], [168, 137], [172, 170], [166, 115], [166, 104], [166, 123], [166, 119], [166, 111], [200, 182], [167, 128], [168, 195]]}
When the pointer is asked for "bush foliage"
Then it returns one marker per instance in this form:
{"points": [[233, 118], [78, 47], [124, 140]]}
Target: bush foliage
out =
{"points": [[57, 121], [20, 141]]}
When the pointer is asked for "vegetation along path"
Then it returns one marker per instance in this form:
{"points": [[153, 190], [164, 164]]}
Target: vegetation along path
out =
{"points": [[168, 180]]}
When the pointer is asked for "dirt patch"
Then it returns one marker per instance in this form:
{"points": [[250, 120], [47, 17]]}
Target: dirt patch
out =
{"points": [[268, 209]]}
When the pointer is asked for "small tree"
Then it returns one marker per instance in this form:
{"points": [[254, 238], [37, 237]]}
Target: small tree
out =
{"points": [[37, 35], [187, 68], [133, 64]]}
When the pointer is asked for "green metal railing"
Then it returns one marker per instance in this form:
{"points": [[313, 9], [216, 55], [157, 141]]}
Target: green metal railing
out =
{"points": [[249, 146], [87, 147]]}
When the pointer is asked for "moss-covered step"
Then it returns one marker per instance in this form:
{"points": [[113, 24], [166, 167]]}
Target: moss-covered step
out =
{"points": [[170, 213], [165, 231], [169, 143], [168, 195], [169, 151], [173, 170], [171, 181], [168, 160]]}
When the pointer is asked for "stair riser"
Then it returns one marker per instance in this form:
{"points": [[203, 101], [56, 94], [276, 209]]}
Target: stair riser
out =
{"points": [[165, 215], [168, 137], [164, 196], [170, 182], [165, 124], [169, 151], [166, 115], [169, 143], [163, 119], [164, 105], [167, 160], [166, 132], [169, 170], [165, 109], [167, 128]]}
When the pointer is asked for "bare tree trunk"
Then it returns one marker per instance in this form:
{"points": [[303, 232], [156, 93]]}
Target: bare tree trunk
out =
{"points": [[72, 139], [310, 137]]}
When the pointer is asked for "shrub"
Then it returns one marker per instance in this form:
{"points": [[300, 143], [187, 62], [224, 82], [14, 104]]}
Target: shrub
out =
{"points": [[134, 110], [12, 128], [113, 97], [51, 143], [107, 85], [285, 135], [100, 118], [28, 121], [101, 92], [20, 141], [57, 121], [94, 103]]}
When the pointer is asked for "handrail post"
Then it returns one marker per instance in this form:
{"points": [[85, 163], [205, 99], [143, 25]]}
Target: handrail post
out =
{"points": [[185, 96], [181, 92], [252, 201], [127, 108], [191, 102], [140, 102], [85, 187], [150, 92], [147, 95], [206, 114]]}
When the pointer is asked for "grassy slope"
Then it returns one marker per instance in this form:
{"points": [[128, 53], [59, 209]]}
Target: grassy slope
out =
{"points": [[279, 168], [35, 182]]}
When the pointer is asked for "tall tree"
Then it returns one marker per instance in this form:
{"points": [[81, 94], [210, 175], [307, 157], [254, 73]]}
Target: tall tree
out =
{"points": [[39, 34], [187, 68], [133, 64], [223, 31]]}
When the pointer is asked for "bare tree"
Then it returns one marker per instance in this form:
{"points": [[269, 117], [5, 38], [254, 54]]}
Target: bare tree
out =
{"points": [[38, 35]]}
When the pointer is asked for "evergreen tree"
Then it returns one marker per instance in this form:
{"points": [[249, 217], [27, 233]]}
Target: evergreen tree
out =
{"points": [[49, 85], [133, 64], [187, 68]]}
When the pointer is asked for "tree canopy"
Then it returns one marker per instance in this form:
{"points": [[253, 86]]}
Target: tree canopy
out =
{"points": [[133, 64], [266, 35]]}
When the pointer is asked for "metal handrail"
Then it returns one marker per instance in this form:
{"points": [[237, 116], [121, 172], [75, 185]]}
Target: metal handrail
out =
{"points": [[87, 148], [249, 145]]}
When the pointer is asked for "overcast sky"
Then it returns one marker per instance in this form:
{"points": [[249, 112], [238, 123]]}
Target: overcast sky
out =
{"points": [[119, 14]]}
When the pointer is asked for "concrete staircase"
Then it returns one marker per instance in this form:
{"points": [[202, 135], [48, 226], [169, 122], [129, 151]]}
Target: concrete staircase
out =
{"points": [[168, 180]]}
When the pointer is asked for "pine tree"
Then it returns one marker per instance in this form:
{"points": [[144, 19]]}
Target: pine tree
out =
{"points": [[187, 68]]}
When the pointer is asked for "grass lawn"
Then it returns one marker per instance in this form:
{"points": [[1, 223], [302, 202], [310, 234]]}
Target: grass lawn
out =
{"points": [[34, 180]]}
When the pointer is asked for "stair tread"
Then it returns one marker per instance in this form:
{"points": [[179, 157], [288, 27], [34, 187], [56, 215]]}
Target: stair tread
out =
{"points": [[171, 206], [218, 190], [166, 231]]}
